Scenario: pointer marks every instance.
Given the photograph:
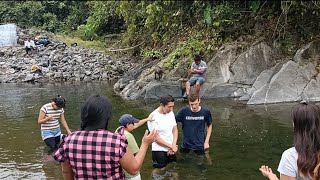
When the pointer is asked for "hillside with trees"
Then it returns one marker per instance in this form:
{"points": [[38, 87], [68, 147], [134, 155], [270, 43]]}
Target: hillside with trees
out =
{"points": [[172, 29]]}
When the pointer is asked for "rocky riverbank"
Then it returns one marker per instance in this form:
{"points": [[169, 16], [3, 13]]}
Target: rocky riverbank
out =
{"points": [[256, 74], [58, 62]]}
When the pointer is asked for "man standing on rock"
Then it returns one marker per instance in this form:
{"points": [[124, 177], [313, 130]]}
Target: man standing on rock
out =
{"points": [[198, 69]]}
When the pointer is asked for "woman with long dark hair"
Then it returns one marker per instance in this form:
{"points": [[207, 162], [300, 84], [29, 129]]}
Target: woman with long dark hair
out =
{"points": [[302, 161]]}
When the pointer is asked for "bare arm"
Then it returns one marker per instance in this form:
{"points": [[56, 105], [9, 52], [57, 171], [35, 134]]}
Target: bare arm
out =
{"points": [[142, 121], [175, 139], [64, 123], [284, 177], [67, 171], [162, 143], [42, 118], [266, 171], [206, 142], [200, 71], [132, 164]]}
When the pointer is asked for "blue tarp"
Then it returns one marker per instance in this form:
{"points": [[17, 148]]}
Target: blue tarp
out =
{"points": [[8, 35]]}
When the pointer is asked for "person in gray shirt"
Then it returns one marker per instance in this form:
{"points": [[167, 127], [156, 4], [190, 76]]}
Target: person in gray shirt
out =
{"points": [[198, 70], [301, 162]]}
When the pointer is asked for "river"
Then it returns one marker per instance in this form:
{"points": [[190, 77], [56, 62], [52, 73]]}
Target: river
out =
{"points": [[243, 138]]}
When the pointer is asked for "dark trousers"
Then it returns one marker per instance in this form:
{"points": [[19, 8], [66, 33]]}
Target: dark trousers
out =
{"points": [[186, 150], [160, 159], [28, 49], [52, 143]]}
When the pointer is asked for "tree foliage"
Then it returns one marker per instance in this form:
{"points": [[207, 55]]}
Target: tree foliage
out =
{"points": [[49, 15], [172, 26]]}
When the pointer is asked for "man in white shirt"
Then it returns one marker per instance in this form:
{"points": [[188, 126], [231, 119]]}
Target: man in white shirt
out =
{"points": [[165, 146], [29, 45]]}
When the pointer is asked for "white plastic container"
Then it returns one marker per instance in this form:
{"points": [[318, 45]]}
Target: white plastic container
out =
{"points": [[8, 35]]}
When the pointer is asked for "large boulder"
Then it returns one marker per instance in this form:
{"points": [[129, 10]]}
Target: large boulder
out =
{"points": [[219, 66], [263, 79], [155, 90], [287, 85], [311, 91], [249, 65]]}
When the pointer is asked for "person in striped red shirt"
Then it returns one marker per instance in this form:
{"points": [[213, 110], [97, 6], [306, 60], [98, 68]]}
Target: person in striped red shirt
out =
{"points": [[49, 117]]}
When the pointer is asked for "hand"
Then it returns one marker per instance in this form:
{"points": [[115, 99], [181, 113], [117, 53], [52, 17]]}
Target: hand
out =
{"points": [[49, 118], [206, 146], [267, 172], [174, 148], [151, 137], [170, 152], [150, 118]]}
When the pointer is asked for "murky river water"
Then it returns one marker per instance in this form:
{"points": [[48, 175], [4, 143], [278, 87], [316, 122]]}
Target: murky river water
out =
{"points": [[243, 138]]}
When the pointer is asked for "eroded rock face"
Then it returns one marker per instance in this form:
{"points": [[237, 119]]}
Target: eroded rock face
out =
{"points": [[249, 65], [296, 80], [285, 86], [251, 75]]}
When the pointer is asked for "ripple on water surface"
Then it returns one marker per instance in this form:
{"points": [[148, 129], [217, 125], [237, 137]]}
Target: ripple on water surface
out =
{"points": [[12, 170]]}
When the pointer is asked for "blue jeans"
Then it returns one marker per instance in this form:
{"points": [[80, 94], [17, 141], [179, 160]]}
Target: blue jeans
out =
{"points": [[194, 80], [45, 134], [51, 138]]}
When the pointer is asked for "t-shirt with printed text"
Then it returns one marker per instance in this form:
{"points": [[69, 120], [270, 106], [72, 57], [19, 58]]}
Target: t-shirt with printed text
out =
{"points": [[194, 127]]}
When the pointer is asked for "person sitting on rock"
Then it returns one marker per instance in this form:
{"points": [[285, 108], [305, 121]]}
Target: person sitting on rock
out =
{"points": [[41, 40], [198, 69], [29, 45]]}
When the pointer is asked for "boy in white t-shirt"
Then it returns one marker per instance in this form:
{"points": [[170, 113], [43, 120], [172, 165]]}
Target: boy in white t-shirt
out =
{"points": [[165, 146]]}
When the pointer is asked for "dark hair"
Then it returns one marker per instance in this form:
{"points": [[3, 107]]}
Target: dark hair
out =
{"points": [[95, 113], [164, 100], [197, 58], [193, 97], [306, 120], [59, 101]]}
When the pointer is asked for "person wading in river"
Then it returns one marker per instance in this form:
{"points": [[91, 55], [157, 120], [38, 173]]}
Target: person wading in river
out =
{"points": [[196, 127], [49, 116], [165, 146]]}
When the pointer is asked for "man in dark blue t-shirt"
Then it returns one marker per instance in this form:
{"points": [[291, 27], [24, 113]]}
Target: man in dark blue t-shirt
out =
{"points": [[196, 126]]}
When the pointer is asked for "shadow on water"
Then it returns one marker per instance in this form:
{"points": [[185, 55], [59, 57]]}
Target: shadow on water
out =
{"points": [[243, 138]]}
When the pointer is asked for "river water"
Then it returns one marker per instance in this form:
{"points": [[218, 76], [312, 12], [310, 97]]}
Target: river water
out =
{"points": [[243, 138]]}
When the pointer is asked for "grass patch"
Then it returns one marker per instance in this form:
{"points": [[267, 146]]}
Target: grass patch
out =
{"points": [[97, 45]]}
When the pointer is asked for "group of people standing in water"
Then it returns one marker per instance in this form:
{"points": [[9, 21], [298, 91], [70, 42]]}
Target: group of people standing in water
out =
{"points": [[94, 152]]}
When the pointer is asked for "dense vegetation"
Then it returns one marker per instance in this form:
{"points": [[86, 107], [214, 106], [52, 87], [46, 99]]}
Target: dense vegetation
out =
{"points": [[178, 28]]}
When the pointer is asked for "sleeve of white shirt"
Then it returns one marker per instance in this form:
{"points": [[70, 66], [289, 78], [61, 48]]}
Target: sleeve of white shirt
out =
{"points": [[32, 43], [153, 125], [288, 164]]}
